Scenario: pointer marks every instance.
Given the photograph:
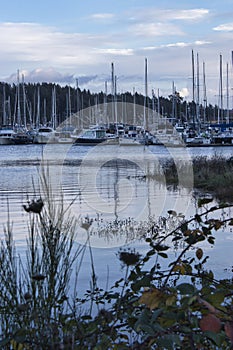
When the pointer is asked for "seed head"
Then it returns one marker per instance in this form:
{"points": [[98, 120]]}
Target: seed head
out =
{"points": [[130, 257]]}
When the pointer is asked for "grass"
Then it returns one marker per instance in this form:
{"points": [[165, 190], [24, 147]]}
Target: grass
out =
{"points": [[213, 175]]}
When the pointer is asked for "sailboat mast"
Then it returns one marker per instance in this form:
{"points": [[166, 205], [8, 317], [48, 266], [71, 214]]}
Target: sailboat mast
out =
{"points": [[113, 91], [198, 93], [228, 112], [115, 95], [134, 107], [204, 93], [193, 112], [193, 76], [69, 102], [18, 100], [78, 104], [105, 102], [220, 92], [54, 106], [38, 107], [24, 103], [158, 103], [173, 101], [4, 105], [145, 122]]}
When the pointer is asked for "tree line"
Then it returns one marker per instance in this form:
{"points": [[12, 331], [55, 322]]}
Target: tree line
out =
{"points": [[37, 101]]}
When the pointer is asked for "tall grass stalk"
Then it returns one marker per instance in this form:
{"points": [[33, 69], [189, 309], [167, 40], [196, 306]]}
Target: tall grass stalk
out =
{"points": [[34, 294]]}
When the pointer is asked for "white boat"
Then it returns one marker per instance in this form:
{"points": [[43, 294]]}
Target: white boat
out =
{"points": [[45, 134], [6, 134], [65, 135], [129, 141], [196, 140]]}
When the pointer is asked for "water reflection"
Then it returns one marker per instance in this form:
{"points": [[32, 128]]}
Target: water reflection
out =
{"points": [[110, 187], [107, 184], [113, 189]]}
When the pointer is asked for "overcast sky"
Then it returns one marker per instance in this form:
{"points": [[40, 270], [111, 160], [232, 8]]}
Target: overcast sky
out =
{"points": [[59, 41]]}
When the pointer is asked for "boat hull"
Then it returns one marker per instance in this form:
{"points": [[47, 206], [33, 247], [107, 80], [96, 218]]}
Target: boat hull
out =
{"points": [[88, 142], [6, 141], [21, 139]]}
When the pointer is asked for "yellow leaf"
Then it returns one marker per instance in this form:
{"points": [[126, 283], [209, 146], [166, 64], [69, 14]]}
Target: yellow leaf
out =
{"points": [[17, 346], [179, 268], [217, 224], [152, 298], [171, 299], [187, 232]]}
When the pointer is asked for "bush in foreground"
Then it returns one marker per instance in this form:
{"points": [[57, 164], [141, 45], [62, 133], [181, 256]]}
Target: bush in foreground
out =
{"points": [[160, 303]]}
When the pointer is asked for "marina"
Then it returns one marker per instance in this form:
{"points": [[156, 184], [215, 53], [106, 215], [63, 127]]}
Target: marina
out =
{"points": [[214, 135]]}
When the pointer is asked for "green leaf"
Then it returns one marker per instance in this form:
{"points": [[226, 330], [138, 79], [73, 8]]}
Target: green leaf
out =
{"points": [[156, 313], [144, 282], [186, 288], [213, 208], [146, 328], [86, 318], [168, 342], [150, 252], [4, 342], [172, 212], [203, 201], [163, 255], [198, 218], [214, 337], [184, 227], [160, 247], [211, 239]]}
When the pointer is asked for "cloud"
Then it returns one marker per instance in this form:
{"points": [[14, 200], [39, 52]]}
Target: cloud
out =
{"points": [[184, 92], [30, 43], [155, 29], [111, 51], [227, 27], [187, 15], [201, 42], [154, 22], [177, 44], [167, 15], [48, 75], [102, 16], [165, 37]]}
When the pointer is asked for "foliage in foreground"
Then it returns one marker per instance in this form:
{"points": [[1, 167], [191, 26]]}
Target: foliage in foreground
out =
{"points": [[156, 305]]}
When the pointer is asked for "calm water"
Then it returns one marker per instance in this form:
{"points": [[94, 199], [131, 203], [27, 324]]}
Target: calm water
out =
{"points": [[108, 184]]}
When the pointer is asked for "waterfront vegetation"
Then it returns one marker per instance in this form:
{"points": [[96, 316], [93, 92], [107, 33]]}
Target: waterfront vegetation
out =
{"points": [[213, 175], [159, 303]]}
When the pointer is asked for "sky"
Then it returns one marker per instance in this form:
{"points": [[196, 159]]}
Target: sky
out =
{"points": [[74, 41]]}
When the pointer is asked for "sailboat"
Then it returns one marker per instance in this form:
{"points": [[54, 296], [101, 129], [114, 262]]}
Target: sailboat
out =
{"points": [[20, 135], [6, 134]]}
